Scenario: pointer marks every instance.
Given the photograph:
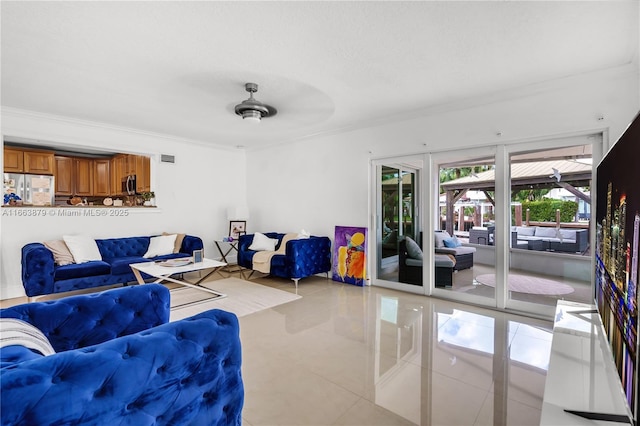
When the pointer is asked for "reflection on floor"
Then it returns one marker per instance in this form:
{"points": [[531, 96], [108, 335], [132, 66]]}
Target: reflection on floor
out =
{"points": [[464, 281], [346, 355]]}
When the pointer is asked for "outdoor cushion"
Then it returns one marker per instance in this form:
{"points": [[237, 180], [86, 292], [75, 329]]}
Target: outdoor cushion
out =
{"points": [[525, 231], [546, 232], [440, 236], [413, 249], [568, 234]]}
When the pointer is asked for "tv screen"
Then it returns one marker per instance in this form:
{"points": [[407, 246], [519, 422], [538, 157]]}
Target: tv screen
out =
{"points": [[617, 257]]}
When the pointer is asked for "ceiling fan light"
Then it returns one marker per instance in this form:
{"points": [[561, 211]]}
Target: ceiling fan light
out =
{"points": [[251, 115], [253, 110]]}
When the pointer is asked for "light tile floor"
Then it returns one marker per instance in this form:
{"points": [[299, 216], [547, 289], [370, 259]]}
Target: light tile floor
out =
{"points": [[346, 355]]}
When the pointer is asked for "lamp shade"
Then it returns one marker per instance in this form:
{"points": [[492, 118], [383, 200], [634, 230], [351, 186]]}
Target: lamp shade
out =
{"points": [[238, 213]]}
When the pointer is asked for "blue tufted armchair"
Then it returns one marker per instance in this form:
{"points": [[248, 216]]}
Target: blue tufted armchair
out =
{"points": [[118, 361], [302, 257]]}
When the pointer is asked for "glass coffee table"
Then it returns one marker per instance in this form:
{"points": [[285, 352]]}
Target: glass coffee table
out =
{"points": [[165, 270]]}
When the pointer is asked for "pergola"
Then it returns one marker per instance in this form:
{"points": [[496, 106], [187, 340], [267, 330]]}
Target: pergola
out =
{"points": [[567, 174]]}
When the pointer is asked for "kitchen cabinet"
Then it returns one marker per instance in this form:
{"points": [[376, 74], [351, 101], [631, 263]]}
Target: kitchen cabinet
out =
{"points": [[38, 162], [64, 175], [101, 178], [143, 173], [18, 160], [83, 168], [84, 177], [13, 160]]}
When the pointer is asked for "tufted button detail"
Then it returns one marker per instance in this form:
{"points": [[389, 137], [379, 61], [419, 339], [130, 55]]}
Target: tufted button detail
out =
{"points": [[125, 356], [56, 379]]}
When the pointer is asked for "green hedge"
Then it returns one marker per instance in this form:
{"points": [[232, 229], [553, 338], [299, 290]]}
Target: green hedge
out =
{"points": [[545, 210]]}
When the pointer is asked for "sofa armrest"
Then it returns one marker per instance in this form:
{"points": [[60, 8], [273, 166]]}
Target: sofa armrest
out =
{"points": [[183, 372], [191, 243], [88, 319], [38, 268], [308, 256], [582, 239]]}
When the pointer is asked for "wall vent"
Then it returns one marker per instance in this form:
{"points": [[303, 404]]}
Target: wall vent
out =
{"points": [[167, 158]]}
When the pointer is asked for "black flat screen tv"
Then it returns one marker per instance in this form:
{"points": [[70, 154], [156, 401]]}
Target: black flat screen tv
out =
{"points": [[617, 258]]}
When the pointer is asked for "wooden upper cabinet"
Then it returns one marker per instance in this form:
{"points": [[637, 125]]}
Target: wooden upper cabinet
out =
{"points": [[64, 175], [143, 173], [38, 162], [83, 176], [101, 177], [13, 160], [18, 160]]}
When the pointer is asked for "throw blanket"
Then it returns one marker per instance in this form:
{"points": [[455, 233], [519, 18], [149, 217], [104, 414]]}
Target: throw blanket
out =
{"points": [[262, 259]]}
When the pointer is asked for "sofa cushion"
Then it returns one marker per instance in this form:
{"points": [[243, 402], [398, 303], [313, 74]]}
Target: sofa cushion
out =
{"points": [[80, 270], [525, 231], [120, 265], [452, 242], [546, 232], [456, 251], [413, 262], [179, 238], [111, 248], [440, 236], [568, 235], [413, 249], [160, 245], [83, 249], [263, 243], [443, 260], [61, 254]]}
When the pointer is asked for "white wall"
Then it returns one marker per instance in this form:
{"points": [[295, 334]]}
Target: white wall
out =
{"points": [[193, 194], [322, 182]]}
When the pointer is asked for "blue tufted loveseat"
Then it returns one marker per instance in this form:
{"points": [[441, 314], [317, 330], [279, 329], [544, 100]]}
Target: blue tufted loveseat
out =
{"points": [[41, 275], [302, 258], [118, 362]]}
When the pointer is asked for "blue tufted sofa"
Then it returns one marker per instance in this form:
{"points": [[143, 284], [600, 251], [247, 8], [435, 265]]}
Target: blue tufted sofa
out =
{"points": [[118, 362], [302, 258], [40, 275]]}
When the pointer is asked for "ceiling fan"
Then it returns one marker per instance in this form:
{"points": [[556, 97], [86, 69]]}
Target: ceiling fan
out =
{"points": [[253, 110]]}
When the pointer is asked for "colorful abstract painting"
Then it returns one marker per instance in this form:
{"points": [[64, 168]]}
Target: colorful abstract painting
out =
{"points": [[350, 255]]}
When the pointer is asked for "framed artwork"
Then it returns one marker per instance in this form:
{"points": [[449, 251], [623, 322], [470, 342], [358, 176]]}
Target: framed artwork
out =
{"points": [[198, 255], [350, 255], [237, 228]]}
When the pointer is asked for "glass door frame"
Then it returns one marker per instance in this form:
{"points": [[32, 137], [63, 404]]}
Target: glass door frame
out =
{"points": [[597, 141], [411, 164], [442, 158]]}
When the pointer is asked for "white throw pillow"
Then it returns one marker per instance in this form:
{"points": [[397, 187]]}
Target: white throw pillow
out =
{"points": [[83, 249], [440, 236], [263, 243], [161, 245], [17, 332]]}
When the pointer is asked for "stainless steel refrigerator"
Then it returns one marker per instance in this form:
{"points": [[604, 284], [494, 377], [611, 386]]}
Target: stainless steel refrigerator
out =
{"points": [[34, 190]]}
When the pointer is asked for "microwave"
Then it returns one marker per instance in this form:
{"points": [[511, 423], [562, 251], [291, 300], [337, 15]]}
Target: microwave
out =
{"points": [[129, 185]]}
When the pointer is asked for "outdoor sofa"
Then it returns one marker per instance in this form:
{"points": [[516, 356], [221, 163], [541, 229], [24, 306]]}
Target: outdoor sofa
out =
{"points": [[568, 240]]}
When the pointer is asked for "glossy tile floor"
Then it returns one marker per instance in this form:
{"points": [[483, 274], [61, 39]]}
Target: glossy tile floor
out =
{"points": [[346, 355]]}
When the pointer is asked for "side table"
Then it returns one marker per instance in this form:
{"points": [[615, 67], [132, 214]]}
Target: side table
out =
{"points": [[233, 245]]}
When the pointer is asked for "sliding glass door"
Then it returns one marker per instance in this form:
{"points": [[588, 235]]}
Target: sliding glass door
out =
{"points": [[397, 216], [463, 234], [507, 226]]}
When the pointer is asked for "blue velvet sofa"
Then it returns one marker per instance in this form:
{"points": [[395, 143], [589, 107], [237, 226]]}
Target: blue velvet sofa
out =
{"points": [[302, 258], [118, 362], [41, 275]]}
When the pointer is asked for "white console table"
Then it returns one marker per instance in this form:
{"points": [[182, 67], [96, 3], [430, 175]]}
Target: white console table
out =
{"points": [[582, 375]]}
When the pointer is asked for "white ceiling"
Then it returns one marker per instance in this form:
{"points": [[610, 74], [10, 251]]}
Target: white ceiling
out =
{"points": [[178, 68]]}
